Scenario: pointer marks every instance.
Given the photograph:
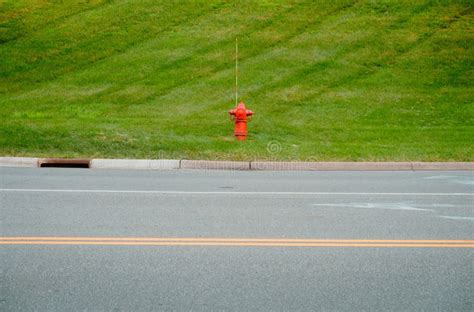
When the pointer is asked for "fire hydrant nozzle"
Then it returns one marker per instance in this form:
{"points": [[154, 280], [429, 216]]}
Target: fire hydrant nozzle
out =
{"points": [[241, 115]]}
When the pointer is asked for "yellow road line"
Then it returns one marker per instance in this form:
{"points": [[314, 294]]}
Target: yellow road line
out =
{"points": [[235, 244], [222, 239], [194, 241]]}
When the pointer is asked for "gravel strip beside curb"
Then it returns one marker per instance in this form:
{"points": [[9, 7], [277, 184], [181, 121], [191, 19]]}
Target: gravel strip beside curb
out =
{"points": [[158, 164]]}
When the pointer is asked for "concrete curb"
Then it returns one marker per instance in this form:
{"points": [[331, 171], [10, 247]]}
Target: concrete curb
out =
{"points": [[158, 164], [214, 165], [329, 166], [18, 162], [173, 164], [443, 165]]}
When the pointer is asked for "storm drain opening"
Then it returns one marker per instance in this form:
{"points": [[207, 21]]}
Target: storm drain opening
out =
{"points": [[64, 163]]}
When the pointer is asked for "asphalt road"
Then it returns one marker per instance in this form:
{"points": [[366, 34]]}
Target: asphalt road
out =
{"points": [[79, 239]]}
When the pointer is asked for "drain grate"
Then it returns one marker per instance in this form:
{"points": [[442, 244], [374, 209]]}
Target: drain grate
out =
{"points": [[64, 163]]}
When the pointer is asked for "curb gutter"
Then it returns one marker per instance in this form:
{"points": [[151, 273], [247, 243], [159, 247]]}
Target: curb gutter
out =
{"points": [[173, 164]]}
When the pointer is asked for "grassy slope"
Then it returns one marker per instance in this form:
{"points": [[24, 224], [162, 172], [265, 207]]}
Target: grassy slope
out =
{"points": [[344, 80]]}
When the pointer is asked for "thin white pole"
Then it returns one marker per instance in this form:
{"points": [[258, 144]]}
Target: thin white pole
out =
{"points": [[236, 70]]}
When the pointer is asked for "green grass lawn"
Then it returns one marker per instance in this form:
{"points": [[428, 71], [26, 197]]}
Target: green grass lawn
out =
{"points": [[327, 80]]}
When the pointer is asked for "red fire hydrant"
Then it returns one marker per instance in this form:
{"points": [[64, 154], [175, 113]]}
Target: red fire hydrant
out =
{"points": [[241, 115]]}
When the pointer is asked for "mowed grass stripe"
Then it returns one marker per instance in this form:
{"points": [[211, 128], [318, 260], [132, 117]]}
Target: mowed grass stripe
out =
{"points": [[341, 80]]}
